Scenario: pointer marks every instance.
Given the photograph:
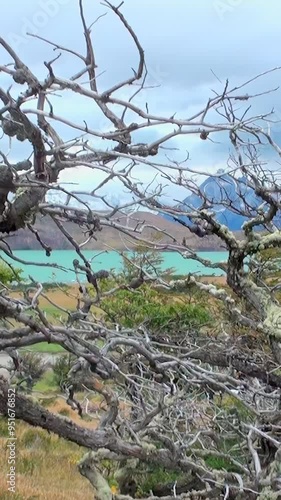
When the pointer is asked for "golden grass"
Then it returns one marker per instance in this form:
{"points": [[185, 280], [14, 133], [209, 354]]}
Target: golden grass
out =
{"points": [[66, 299], [46, 464], [59, 406]]}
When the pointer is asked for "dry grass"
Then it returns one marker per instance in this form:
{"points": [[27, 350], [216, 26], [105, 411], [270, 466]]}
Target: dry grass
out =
{"points": [[64, 298], [46, 464], [59, 406]]}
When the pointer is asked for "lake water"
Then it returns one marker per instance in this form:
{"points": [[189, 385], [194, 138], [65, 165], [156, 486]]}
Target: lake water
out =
{"points": [[101, 260]]}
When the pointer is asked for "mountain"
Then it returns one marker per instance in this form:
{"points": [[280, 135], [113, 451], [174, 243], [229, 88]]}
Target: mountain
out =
{"points": [[110, 238], [221, 191]]}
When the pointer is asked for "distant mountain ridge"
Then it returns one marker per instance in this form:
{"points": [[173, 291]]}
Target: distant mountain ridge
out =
{"points": [[110, 238], [221, 190]]}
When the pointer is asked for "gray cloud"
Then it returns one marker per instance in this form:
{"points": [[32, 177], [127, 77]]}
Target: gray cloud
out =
{"points": [[185, 44]]}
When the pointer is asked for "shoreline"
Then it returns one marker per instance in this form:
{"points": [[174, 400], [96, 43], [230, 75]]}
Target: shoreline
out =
{"points": [[58, 267], [117, 249], [216, 280]]}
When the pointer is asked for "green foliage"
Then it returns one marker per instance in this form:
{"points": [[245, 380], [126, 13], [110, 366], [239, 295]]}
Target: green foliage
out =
{"points": [[109, 468], [144, 258], [46, 383], [61, 367], [235, 408], [266, 264], [158, 476], [158, 311], [45, 347], [34, 367], [9, 274], [270, 254], [34, 364], [220, 463]]}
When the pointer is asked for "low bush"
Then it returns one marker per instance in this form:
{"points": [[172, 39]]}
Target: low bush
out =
{"points": [[156, 310], [61, 367]]}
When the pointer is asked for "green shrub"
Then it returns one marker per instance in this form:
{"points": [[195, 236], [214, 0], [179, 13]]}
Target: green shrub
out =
{"points": [[61, 367], [47, 383], [145, 258], [157, 477], [9, 274], [34, 368], [220, 463], [158, 311]]}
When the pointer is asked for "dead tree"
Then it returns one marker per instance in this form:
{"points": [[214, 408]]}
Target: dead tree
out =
{"points": [[173, 424]]}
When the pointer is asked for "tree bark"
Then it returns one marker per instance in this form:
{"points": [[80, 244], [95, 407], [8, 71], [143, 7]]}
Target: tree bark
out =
{"points": [[88, 468], [240, 362], [36, 415]]}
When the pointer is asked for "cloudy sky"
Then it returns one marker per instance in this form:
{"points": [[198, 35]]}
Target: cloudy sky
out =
{"points": [[186, 43]]}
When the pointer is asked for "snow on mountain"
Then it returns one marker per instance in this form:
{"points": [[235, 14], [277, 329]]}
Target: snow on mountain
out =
{"points": [[227, 197]]}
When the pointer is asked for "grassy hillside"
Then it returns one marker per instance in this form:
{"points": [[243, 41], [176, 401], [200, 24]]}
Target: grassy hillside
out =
{"points": [[46, 465]]}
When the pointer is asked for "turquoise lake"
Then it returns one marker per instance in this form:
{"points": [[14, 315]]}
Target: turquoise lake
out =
{"points": [[101, 260]]}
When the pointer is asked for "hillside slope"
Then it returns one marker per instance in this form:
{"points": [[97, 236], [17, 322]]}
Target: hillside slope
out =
{"points": [[109, 236]]}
